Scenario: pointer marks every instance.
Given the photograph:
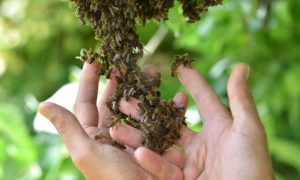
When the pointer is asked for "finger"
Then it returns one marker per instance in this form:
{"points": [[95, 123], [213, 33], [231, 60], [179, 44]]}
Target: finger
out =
{"points": [[208, 103], [180, 102], [130, 108], [240, 99], [133, 137], [85, 106], [67, 126], [127, 135], [156, 165], [150, 69], [103, 110]]}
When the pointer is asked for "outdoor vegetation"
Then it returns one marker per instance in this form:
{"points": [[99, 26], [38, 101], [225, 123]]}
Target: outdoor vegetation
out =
{"points": [[39, 40]]}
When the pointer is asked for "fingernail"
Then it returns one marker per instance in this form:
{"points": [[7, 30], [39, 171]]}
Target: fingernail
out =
{"points": [[178, 105], [44, 109], [247, 71]]}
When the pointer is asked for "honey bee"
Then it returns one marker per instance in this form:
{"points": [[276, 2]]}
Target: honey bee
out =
{"points": [[153, 101], [100, 136], [180, 60], [108, 74], [118, 145], [113, 121]]}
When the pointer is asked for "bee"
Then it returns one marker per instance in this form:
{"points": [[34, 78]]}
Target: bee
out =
{"points": [[83, 55], [132, 122], [118, 145], [180, 60], [116, 57], [108, 74], [153, 101], [119, 80], [113, 103], [100, 136], [145, 129], [113, 121], [128, 93]]}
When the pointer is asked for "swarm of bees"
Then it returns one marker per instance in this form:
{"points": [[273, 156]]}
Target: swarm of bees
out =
{"points": [[114, 23]]}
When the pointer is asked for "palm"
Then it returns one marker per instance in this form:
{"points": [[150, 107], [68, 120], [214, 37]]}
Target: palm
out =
{"points": [[97, 159], [221, 150]]}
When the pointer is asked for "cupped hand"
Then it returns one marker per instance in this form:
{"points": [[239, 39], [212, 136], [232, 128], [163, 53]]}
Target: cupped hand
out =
{"points": [[232, 144], [98, 159]]}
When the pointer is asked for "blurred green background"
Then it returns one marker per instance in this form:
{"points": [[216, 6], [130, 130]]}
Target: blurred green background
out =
{"points": [[39, 40]]}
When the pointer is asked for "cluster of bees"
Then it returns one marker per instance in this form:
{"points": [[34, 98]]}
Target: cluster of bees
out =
{"points": [[114, 23], [193, 9]]}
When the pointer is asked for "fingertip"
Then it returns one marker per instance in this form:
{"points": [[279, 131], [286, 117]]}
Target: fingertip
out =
{"points": [[150, 69], [142, 154], [186, 73], [238, 77], [126, 134], [46, 109], [114, 132], [139, 152], [180, 100], [115, 73], [94, 64], [180, 70], [240, 98]]}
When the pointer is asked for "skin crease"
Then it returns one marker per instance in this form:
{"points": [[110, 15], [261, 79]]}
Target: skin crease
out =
{"points": [[231, 145]]}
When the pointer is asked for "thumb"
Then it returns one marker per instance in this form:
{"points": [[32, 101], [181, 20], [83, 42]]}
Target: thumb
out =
{"points": [[240, 98], [66, 125]]}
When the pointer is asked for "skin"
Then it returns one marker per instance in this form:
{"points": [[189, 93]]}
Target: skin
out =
{"points": [[232, 144]]}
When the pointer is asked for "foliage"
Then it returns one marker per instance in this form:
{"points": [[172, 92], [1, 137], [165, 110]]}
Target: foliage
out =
{"points": [[40, 38]]}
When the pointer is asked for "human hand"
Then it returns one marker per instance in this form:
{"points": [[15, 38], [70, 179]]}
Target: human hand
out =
{"points": [[231, 145], [98, 159]]}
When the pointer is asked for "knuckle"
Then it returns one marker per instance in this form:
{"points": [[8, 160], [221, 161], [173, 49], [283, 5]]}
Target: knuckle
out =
{"points": [[204, 99], [177, 175], [59, 123]]}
